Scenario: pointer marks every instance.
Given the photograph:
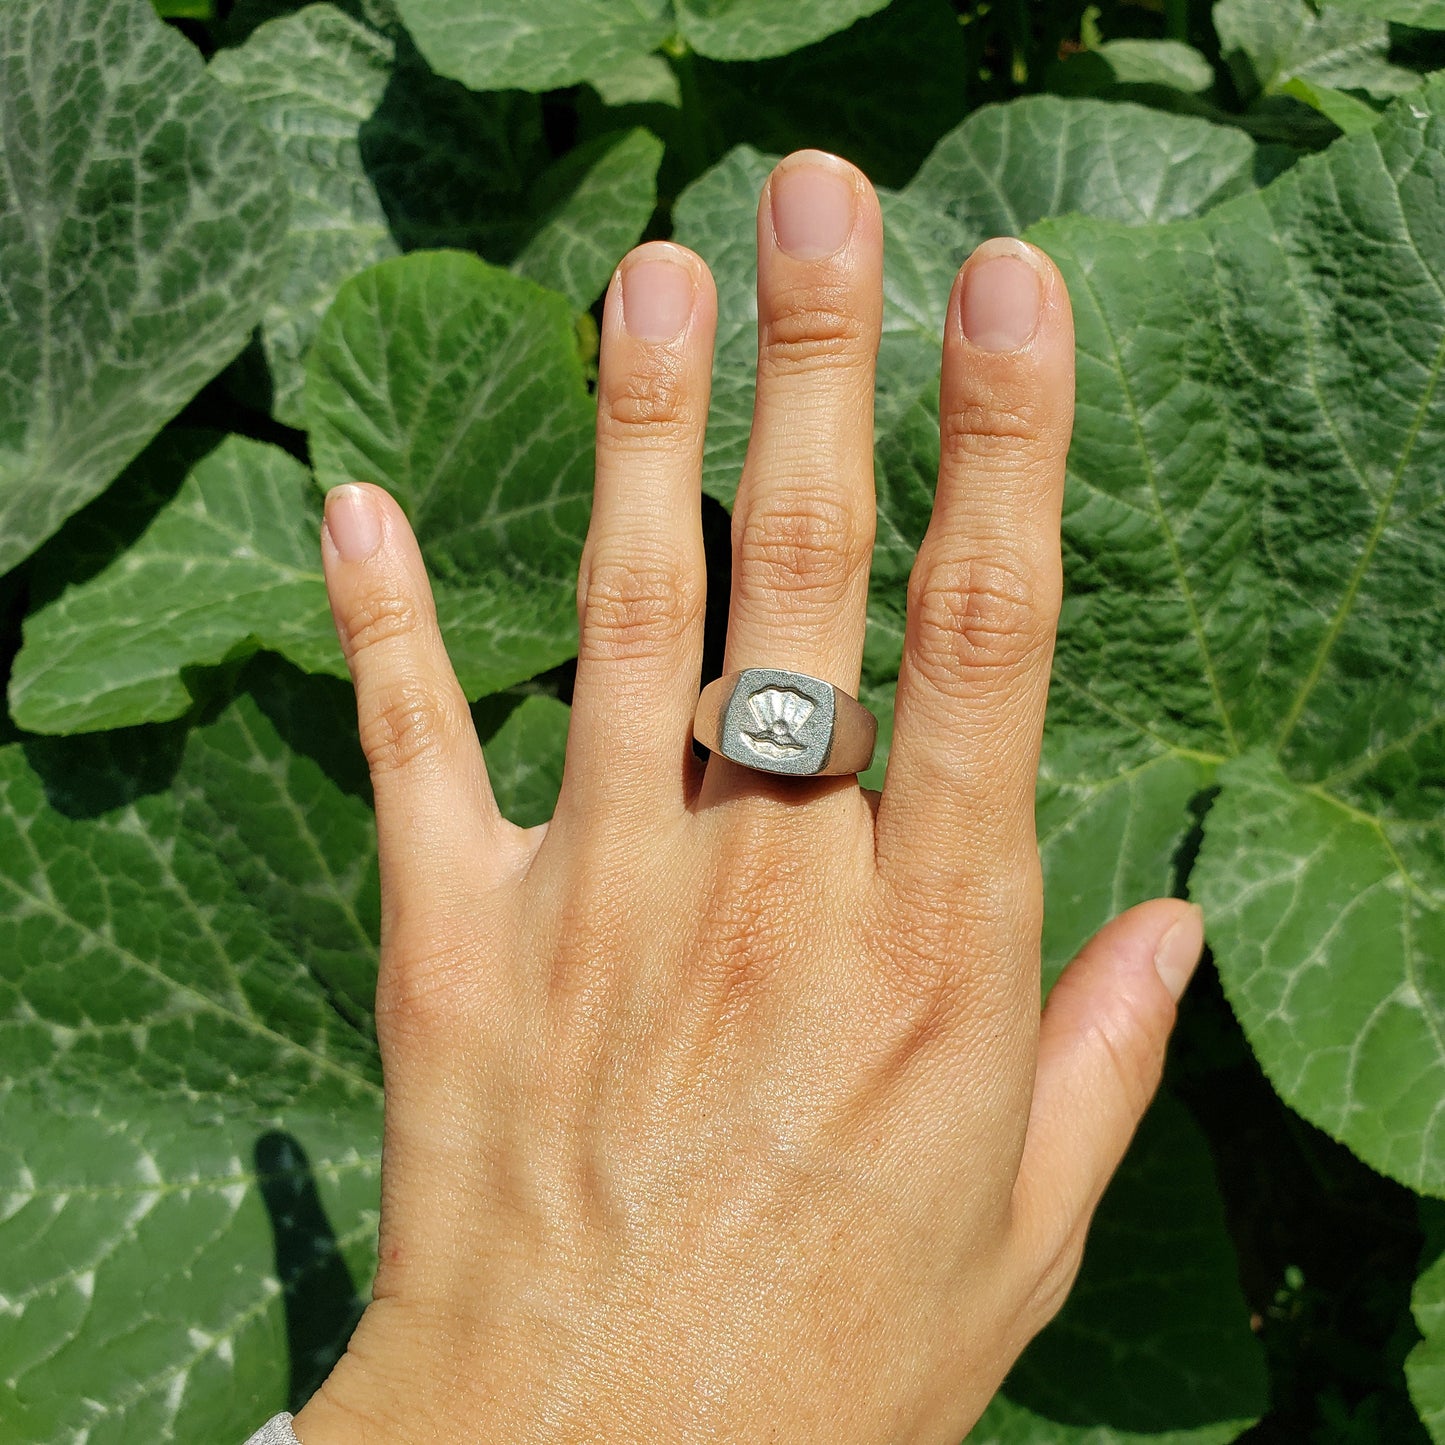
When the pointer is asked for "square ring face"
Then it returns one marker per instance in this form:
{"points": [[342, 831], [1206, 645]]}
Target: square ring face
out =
{"points": [[779, 722]]}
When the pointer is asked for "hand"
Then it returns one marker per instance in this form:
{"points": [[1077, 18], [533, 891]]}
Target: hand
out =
{"points": [[720, 1107]]}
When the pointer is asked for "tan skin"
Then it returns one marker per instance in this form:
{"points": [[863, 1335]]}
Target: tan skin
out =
{"points": [[721, 1107]]}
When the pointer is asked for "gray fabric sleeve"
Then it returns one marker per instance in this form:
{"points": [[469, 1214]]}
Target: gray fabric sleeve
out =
{"points": [[276, 1431]]}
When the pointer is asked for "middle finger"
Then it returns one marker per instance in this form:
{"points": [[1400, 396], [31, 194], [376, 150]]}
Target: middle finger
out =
{"points": [[804, 519]]}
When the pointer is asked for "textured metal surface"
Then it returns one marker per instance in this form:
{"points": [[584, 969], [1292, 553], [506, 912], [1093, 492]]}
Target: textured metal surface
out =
{"points": [[779, 722], [276, 1431]]}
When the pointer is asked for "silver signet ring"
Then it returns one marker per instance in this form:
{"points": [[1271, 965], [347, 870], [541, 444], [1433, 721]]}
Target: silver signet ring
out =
{"points": [[785, 722]]}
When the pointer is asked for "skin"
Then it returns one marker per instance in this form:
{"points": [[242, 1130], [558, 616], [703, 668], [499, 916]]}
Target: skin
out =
{"points": [[722, 1106]]}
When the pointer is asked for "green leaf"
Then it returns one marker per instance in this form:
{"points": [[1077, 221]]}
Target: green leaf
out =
{"points": [[206, 551], [1427, 14], [1152, 1347], [1425, 1364], [185, 9], [141, 223], [525, 741], [498, 45], [452, 168], [752, 29], [1253, 539], [1268, 42], [189, 936], [1108, 837], [381, 154], [1302, 884], [642, 80], [1156, 62], [1347, 111], [594, 205], [311, 81], [458, 387]]}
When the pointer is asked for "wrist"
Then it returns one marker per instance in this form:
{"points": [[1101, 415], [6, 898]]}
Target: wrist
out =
{"points": [[405, 1387]]}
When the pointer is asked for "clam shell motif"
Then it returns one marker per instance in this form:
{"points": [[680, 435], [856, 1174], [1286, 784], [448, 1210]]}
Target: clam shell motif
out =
{"points": [[779, 712]]}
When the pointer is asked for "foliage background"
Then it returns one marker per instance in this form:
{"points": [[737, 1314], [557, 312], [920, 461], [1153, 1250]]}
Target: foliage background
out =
{"points": [[250, 250]]}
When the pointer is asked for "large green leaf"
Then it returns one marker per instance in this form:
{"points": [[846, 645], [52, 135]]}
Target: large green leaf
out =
{"points": [[189, 933], [498, 44], [141, 222], [1269, 42], [382, 154], [1152, 1347], [1255, 557], [458, 387], [207, 550]]}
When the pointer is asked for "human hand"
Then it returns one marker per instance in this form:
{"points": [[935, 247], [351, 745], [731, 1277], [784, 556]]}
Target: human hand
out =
{"points": [[720, 1107]]}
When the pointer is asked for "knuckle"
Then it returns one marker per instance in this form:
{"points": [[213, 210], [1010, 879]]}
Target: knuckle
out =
{"points": [[633, 610], [639, 406], [403, 723], [986, 429], [980, 620], [798, 540], [380, 617], [807, 328]]}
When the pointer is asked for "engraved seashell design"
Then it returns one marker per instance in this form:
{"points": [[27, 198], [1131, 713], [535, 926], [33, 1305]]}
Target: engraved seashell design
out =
{"points": [[779, 713]]}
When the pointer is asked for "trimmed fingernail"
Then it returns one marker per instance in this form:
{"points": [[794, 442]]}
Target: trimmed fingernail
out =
{"points": [[1177, 955], [353, 522], [1003, 295], [657, 297], [813, 202]]}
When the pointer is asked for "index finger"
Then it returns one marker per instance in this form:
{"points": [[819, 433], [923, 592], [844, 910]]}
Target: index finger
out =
{"points": [[956, 820]]}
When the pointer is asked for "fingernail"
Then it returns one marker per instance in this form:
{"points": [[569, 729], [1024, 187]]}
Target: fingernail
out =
{"points": [[657, 296], [1003, 295], [813, 202], [1177, 955], [353, 521]]}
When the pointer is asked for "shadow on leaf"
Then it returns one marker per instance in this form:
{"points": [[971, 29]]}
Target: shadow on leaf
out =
{"points": [[322, 1305]]}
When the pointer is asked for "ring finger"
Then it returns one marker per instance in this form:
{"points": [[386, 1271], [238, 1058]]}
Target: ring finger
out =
{"points": [[804, 519]]}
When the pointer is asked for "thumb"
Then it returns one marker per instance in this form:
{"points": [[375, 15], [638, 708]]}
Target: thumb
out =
{"points": [[1101, 1053]]}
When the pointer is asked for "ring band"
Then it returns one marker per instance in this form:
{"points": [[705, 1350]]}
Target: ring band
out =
{"points": [[785, 722]]}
